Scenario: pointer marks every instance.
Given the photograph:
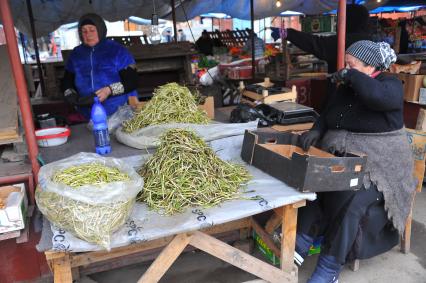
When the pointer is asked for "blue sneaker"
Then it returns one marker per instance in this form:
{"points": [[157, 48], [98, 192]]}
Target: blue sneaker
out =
{"points": [[327, 270], [303, 244]]}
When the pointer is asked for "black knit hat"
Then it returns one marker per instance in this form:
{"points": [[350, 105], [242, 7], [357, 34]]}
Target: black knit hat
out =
{"points": [[377, 54], [92, 19], [357, 19]]}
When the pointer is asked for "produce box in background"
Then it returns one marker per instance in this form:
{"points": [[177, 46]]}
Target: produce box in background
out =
{"points": [[278, 154], [412, 85], [417, 141], [208, 106], [13, 208], [312, 24]]}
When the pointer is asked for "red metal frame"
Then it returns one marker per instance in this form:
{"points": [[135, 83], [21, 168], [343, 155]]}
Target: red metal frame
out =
{"points": [[21, 85], [341, 34]]}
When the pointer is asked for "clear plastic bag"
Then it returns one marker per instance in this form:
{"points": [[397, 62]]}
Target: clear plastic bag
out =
{"points": [[89, 212]]}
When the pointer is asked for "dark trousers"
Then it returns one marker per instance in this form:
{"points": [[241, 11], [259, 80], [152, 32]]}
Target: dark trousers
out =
{"points": [[354, 223]]}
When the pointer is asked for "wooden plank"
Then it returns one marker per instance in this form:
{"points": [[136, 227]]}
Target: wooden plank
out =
{"points": [[62, 270], [266, 238], [406, 236], [163, 262], [8, 98], [354, 265], [288, 240], [293, 128], [273, 223], [252, 95], [240, 259], [92, 257]]}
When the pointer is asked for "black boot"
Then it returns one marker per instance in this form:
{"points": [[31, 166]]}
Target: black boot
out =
{"points": [[327, 270]]}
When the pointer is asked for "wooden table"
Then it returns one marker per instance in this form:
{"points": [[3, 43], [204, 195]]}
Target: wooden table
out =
{"points": [[64, 265]]}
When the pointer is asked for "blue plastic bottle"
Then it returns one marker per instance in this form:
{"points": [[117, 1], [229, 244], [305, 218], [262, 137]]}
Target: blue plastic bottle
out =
{"points": [[100, 128]]}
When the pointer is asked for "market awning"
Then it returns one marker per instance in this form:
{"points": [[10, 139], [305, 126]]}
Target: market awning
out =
{"points": [[262, 8], [49, 15]]}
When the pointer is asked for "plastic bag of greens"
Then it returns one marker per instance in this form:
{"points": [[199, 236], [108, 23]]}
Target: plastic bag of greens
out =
{"points": [[88, 195]]}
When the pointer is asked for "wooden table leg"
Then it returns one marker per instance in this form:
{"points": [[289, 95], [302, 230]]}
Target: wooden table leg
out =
{"points": [[288, 240], [240, 259], [61, 268], [166, 258]]}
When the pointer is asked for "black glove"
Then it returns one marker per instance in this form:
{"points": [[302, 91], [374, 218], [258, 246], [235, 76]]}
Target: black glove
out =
{"points": [[339, 76], [71, 96], [309, 138], [86, 100]]}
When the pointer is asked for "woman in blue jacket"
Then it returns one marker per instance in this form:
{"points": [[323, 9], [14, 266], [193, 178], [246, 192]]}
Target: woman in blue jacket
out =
{"points": [[98, 67]]}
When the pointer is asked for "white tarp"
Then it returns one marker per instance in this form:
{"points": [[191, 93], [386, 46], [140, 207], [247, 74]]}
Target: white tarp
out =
{"points": [[149, 137], [144, 225], [50, 14]]}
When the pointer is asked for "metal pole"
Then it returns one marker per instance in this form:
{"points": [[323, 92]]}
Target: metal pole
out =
{"points": [[21, 85], [253, 71], [174, 19], [341, 34], [33, 32]]}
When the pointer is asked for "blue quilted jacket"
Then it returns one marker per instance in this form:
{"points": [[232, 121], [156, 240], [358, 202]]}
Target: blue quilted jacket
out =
{"points": [[97, 67]]}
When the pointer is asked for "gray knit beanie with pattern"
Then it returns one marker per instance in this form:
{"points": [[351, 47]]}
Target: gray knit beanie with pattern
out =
{"points": [[377, 54]]}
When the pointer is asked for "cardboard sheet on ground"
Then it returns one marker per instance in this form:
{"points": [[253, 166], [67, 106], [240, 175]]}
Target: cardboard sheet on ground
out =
{"points": [[148, 137], [145, 225]]}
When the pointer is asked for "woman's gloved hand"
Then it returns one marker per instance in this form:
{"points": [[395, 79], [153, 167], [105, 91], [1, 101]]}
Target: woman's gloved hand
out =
{"points": [[309, 138], [339, 76]]}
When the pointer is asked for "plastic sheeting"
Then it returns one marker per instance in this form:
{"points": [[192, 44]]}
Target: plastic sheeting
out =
{"points": [[149, 137], [262, 8], [145, 225], [49, 15]]}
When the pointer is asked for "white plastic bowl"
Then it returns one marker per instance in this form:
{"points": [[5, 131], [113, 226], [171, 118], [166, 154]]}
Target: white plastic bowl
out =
{"points": [[52, 136]]}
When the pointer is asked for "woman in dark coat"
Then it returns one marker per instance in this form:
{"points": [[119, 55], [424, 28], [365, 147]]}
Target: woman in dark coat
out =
{"points": [[365, 116]]}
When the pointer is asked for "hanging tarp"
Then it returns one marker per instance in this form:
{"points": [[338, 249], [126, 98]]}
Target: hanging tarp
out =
{"points": [[51, 14], [262, 8]]}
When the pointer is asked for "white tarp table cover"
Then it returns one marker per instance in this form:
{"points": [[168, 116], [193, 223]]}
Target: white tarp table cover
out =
{"points": [[145, 225]]}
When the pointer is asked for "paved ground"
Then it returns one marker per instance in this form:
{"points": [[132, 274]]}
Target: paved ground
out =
{"points": [[198, 267]]}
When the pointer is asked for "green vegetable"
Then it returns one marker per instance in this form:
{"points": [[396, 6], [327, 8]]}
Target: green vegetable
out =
{"points": [[92, 223], [184, 172], [89, 174], [171, 103]]}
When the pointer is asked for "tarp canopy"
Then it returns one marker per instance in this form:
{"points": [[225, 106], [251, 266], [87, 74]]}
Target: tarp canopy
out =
{"points": [[262, 8], [50, 14]]}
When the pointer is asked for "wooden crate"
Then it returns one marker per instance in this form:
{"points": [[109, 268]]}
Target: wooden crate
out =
{"points": [[254, 98]]}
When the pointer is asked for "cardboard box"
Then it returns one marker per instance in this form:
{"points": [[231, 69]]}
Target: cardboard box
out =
{"points": [[421, 120], [13, 215], [264, 249], [422, 96], [278, 154], [417, 141], [208, 106], [412, 85]]}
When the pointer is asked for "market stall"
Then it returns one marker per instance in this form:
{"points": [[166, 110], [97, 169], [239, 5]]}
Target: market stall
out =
{"points": [[148, 229]]}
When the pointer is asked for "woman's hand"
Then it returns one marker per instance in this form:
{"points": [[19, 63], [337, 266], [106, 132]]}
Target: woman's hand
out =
{"points": [[103, 93]]}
